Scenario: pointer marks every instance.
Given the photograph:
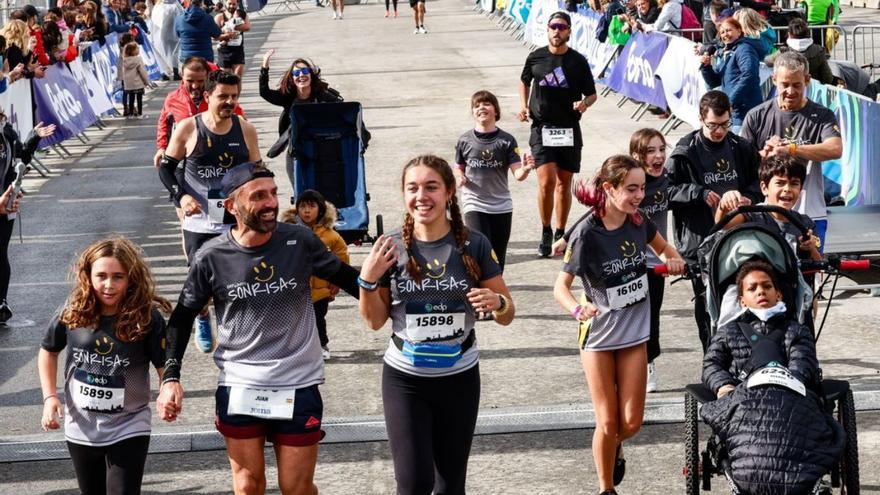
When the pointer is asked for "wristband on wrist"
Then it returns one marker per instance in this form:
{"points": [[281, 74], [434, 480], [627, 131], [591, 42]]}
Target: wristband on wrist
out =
{"points": [[370, 286], [504, 306], [576, 312], [792, 149], [170, 379], [49, 397]]}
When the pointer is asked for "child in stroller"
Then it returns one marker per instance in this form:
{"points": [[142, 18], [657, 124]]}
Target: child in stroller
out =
{"points": [[776, 434]]}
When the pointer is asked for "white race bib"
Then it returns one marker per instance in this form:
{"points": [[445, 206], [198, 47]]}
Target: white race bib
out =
{"points": [[215, 207], [776, 375], [557, 137], [98, 393], [434, 321], [623, 295], [266, 404]]}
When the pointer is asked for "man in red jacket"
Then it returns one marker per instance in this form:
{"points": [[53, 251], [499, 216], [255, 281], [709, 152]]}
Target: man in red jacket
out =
{"points": [[185, 101]]}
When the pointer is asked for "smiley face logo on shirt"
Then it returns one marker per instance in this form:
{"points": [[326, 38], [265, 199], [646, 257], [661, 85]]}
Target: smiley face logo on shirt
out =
{"points": [[487, 155], [436, 270], [722, 165], [103, 346], [264, 272], [658, 197], [628, 249], [224, 160]]}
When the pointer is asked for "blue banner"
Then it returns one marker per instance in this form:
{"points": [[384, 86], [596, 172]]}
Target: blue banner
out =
{"points": [[633, 74], [61, 101], [149, 56]]}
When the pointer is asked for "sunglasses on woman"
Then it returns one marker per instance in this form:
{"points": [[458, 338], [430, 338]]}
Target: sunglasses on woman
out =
{"points": [[301, 72]]}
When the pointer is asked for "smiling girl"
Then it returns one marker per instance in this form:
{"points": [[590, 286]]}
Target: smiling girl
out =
{"points": [[431, 278], [608, 252], [112, 329]]}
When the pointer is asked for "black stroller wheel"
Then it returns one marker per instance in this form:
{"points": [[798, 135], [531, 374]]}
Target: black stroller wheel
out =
{"points": [[849, 465], [691, 446]]}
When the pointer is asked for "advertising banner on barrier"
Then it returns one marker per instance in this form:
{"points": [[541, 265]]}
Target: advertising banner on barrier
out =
{"points": [[519, 10], [103, 64], [98, 98], [583, 39], [62, 102], [148, 55], [17, 104], [536, 27], [683, 85], [633, 75]]}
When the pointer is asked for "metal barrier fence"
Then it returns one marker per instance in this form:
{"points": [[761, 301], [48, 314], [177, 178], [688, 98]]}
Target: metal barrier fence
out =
{"points": [[840, 51], [866, 46]]}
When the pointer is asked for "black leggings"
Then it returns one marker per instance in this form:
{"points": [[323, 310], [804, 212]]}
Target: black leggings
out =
{"points": [[495, 226], [321, 306], [129, 98], [388, 1], [6, 227], [430, 423], [656, 285], [112, 469]]}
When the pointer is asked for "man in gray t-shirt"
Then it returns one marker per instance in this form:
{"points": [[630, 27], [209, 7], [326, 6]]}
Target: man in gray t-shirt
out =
{"points": [[267, 346], [791, 124]]}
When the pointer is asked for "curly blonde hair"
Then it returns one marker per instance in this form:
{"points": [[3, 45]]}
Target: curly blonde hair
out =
{"points": [[17, 33], [134, 317]]}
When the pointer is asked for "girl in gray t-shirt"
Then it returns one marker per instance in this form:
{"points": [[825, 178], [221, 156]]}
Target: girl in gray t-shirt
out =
{"points": [[608, 253], [483, 156], [431, 278], [112, 330]]}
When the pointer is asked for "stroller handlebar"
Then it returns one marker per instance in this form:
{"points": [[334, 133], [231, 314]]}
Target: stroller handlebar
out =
{"points": [[793, 219], [834, 263]]}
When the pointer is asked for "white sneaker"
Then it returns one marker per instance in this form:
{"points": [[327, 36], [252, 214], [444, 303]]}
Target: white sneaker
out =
{"points": [[416, 31], [340, 16], [335, 15], [325, 353], [652, 379], [423, 30]]}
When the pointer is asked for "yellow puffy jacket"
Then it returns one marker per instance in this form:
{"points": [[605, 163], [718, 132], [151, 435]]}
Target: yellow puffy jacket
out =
{"points": [[324, 230]]}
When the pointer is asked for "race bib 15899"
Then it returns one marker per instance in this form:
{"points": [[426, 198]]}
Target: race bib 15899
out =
{"points": [[98, 393]]}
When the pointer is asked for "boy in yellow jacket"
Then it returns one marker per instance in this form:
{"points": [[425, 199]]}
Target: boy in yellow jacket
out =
{"points": [[313, 211]]}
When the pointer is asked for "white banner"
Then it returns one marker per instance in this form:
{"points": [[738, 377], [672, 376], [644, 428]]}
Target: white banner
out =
{"points": [[486, 5], [536, 27], [683, 84], [98, 99], [19, 108], [583, 39]]}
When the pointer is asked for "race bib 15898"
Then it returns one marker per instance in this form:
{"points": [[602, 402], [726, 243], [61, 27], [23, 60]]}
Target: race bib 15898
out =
{"points": [[434, 321]]}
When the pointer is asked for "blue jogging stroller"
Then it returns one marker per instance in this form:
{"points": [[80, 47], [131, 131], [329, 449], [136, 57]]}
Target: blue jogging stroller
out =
{"points": [[326, 153]]}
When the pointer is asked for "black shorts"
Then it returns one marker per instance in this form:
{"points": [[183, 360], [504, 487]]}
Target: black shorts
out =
{"points": [[230, 56], [302, 430], [192, 241], [567, 158], [413, 3]]}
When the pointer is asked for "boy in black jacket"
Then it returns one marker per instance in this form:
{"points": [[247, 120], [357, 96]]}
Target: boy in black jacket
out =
{"points": [[709, 168]]}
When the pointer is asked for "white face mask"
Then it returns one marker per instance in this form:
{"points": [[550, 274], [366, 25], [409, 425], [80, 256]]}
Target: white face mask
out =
{"points": [[765, 314], [799, 45]]}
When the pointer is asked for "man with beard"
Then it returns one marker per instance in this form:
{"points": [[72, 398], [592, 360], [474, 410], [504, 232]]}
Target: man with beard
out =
{"points": [[268, 350], [562, 89], [233, 21], [212, 142]]}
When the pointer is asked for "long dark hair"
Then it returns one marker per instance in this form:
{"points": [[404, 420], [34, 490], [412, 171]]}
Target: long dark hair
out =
{"points": [[613, 170], [460, 231], [285, 85]]}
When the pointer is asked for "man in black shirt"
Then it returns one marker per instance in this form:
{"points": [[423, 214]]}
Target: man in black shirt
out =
{"points": [[710, 167], [562, 89]]}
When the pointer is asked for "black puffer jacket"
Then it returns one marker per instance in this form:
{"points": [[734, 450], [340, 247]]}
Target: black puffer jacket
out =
{"points": [[777, 441], [692, 217]]}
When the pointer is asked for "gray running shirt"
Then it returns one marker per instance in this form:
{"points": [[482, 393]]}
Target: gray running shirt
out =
{"points": [[266, 336], [656, 207], [204, 169], [445, 284], [812, 124], [486, 161], [612, 267], [106, 381]]}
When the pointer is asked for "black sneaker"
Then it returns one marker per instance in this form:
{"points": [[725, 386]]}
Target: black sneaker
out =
{"points": [[619, 466], [558, 234], [609, 492], [5, 312], [546, 242]]}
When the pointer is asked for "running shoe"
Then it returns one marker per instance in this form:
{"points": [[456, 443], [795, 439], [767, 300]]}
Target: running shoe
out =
{"points": [[546, 242], [341, 16], [325, 353], [619, 467], [335, 15], [387, 14], [652, 379], [609, 492], [204, 336], [395, 14], [416, 31], [5, 312], [423, 30]]}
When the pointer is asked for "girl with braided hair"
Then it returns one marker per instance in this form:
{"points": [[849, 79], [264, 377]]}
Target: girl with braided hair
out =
{"points": [[608, 251], [430, 278]]}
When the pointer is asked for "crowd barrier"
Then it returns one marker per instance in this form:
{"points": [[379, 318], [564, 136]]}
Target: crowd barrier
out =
{"points": [[662, 70]]}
